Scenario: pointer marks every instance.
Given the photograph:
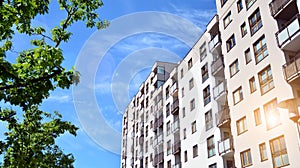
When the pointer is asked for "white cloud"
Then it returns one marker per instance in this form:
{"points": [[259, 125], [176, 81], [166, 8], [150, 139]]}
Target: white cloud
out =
{"points": [[60, 98]]}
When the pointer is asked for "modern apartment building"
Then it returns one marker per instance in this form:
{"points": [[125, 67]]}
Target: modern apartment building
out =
{"points": [[233, 101]]}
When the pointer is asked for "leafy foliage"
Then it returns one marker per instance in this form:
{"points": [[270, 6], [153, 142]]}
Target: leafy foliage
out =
{"points": [[28, 80]]}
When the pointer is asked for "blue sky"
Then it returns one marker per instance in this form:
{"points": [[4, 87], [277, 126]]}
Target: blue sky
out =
{"points": [[113, 63]]}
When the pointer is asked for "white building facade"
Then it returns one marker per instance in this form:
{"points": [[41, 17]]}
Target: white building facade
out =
{"points": [[233, 101]]}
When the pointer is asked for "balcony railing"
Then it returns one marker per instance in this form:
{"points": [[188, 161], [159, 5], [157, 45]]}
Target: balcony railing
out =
{"points": [[176, 147], [292, 69], [175, 107], [214, 42], [158, 139], [223, 116], [217, 65], [158, 158], [225, 146], [174, 88], [219, 89], [277, 5], [286, 33]]}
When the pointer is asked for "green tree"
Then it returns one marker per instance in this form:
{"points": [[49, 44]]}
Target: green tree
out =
{"points": [[28, 80]]}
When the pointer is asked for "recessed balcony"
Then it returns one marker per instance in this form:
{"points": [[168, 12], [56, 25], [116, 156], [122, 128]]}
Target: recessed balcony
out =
{"points": [[223, 117], [175, 126], [288, 36], [225, 146], [158, 139], [217, 66], [278, 6], [220, 91], [215, 44], [174, 90], [291, 70], [175, 107], [158, 158], [176, 147]]}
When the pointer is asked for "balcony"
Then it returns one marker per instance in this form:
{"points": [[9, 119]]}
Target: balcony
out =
{"points": [[158, 106], [175, 107], [219, 91], [215, 43], [158, 139], [292, 70], [175, 126], [213, 23], [177, 165], [158, 158], [223, 117], [276, 6], [217, 66], [288, 36], [160, 120], [155, 125], [225, 146], [176, 147], [174, 90]]}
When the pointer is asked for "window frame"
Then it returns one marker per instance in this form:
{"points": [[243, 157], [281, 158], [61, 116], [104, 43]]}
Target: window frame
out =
{"points": [[208, 120], [262, 51], [244, 30], [204, 72], [279, 153], [195, 151], [211, 147], [257, 117], [263, 152], [227, 20], [192, 105], [255, 22], [244, 128], [252, 84], [191, 83], [194, 127], [230, 43], [266, 84], [240, 93], [240, 6], [206, 95], [203, 51], [247, 3], [248, 57], [234, 68], [248, 157]]}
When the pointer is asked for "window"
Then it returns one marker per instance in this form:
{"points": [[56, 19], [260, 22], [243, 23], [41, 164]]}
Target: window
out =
{"points": [[266, 80], [183, 112], [151, 124], [169, 148], [255, 22], [234, 68], [203, 51], [223, 2], [151, 157], [151, 140], [195, 151], [243, 29], [147, 128], [241, 125], [206, 95], [181, 73], [146, 162], [168, 128], [168, 109], [191, 83], [279, 152], [227, 20], [213, 165], [272, 114], [237, 95], [184, 133], [257, 117], [211, 146], [194, 127], [190, 63], [239, 5], [167, 92], [263, 152], [160, 70], [208, 120], [246, 158], [260, 49], [204, 72], [192, 104], [185, 156], [249, 3], [230, 43], [252, 85], [146, 147], [182, 92], [248, 56], [169, 164]]}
